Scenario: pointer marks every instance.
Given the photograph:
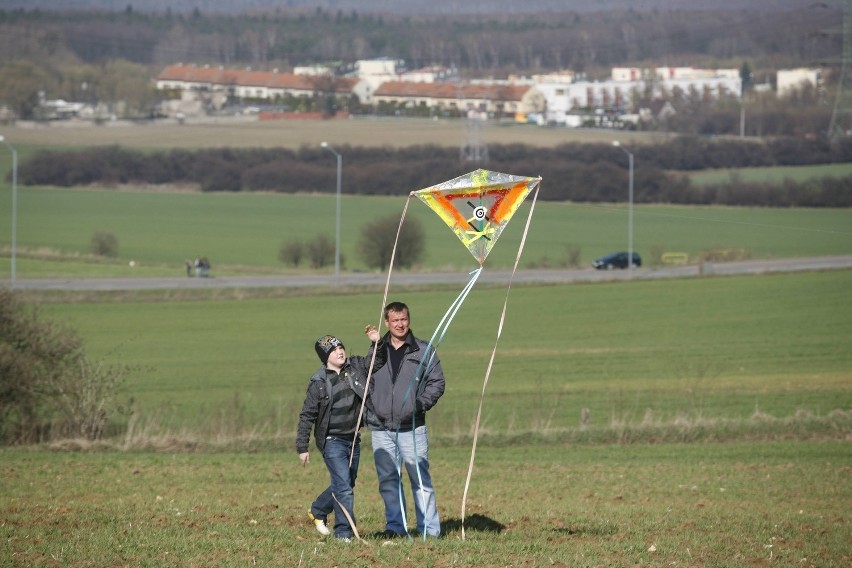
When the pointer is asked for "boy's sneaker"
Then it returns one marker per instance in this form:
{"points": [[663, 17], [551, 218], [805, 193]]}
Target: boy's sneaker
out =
{"points": [[319, 524]]}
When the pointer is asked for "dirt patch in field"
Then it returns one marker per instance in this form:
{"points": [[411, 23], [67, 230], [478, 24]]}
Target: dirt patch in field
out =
{"points": [[294, 134]]}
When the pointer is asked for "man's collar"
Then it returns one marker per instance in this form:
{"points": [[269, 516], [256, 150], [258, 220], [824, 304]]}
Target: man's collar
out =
{"points": [[407, 341]]}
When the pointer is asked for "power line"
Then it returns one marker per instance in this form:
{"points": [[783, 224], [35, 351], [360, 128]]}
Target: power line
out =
{"points": [[841, 115]]}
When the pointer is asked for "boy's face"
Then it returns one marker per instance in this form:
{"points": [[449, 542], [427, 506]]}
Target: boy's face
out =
{"points": [[397, 323], [337, 357]]}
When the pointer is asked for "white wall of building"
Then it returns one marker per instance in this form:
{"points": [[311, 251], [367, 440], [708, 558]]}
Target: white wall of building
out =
{"points": [[556, 102], [380, 66], [789, 80]]}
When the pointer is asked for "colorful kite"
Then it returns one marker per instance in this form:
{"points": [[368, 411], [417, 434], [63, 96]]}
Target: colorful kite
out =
{"points": [[476, 207]]}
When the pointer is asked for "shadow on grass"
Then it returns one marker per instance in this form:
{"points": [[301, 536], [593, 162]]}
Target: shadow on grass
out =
{"points": [[479, 523]]}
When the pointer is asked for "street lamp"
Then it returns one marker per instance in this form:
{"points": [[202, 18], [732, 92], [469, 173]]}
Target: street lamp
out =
{"points": [[617, 144], [14, 202], [337, 223]]}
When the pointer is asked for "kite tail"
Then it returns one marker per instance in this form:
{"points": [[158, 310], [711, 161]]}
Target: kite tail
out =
{"points": [[432, 347], [425, 364], [348, 517], [491, 361], [378, 326]]}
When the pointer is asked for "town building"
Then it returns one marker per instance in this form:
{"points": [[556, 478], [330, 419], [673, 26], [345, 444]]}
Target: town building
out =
{"points": [[452, 97], [555, 98], [791, 80]]}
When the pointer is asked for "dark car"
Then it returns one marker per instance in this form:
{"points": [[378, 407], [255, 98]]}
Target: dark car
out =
{"points": [[616, 260]]}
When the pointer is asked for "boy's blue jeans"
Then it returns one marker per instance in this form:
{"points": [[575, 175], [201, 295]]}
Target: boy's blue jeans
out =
{"points": [[336, 456], [389, 450]]}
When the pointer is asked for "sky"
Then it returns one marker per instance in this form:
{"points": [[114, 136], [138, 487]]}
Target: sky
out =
{"points": [[414, 6]]}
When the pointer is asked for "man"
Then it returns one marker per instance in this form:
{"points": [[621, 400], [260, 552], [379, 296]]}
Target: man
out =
{"points": [[409, 384]]}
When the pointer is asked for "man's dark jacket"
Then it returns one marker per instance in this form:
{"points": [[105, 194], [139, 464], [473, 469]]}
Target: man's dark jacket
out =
{"points": [[395, 400]]}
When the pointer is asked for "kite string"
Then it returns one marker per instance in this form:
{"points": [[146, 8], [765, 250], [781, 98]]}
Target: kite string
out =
{"points": [[491, 361], [378, 326], [431, 348]]}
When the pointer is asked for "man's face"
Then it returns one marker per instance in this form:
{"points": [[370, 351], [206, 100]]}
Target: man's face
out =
{"points": [[397, 323]]}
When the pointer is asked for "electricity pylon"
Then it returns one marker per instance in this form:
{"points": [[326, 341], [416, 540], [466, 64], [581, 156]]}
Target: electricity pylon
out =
{"points": [[841, 116]]}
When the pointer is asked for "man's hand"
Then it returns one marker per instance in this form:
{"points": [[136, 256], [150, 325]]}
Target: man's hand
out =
{"points": [[305, 457], [372, 333]]}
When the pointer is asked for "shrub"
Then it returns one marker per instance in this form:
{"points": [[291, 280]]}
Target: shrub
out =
{"points": [[572, 256], [104, 244], [48, 389], [321, 251], [377, 242], [291, 252]]}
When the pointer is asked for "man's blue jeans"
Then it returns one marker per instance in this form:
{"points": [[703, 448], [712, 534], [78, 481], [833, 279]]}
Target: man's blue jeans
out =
{"points": [[336, 456], [390, 450]]}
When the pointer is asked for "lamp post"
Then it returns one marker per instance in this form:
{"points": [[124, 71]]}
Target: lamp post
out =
{"points": [[617, 144], [337, 222], [14, 203]]}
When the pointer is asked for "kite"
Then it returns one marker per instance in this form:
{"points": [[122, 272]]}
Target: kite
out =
{"points": [[477, 207]]}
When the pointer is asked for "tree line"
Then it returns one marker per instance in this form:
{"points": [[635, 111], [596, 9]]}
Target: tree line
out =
{"points": [[571, 172], [495, 43]]}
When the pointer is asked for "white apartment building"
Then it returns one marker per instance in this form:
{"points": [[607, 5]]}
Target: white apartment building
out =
{"points": [[558, 102], [671, 73], [790, 80]]}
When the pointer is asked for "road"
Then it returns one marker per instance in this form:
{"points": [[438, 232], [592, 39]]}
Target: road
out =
{"points": [[425, 278]]}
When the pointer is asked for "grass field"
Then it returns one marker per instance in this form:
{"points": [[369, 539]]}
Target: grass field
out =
{"points": [[242, 233], [643, 355], [719, 407], [710, 505]]}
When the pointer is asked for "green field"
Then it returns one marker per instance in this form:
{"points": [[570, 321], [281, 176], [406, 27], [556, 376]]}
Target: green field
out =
{"points": [[719, 408], [639, 353], [710, 505], [242, 233]]}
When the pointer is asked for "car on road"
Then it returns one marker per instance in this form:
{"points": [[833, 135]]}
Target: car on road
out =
{"points": [[616, 260]]}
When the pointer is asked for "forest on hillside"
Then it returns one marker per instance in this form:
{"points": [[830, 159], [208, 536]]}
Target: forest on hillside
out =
{"points": [[478, 45], [413, 6]]}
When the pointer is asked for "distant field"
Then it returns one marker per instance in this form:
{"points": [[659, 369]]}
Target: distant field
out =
{"points": [[393, 132], [242, 233]]}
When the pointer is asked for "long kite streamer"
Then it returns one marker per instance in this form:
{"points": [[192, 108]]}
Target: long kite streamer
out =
{"points": [[476, 207]]}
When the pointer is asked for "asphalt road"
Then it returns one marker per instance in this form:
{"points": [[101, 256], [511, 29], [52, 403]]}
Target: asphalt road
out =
{"points": [[424, 278]]}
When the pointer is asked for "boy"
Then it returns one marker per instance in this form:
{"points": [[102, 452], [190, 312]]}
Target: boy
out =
{"points": [[332, 404]]}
